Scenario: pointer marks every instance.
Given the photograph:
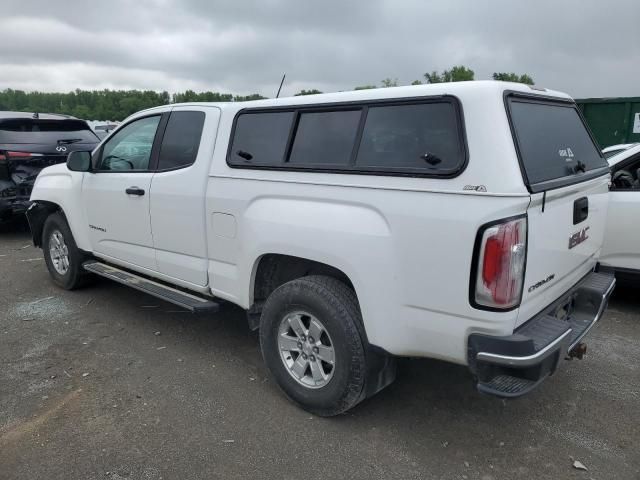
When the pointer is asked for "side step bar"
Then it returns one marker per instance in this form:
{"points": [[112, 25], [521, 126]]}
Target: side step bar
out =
{"points": [[185, 300]]}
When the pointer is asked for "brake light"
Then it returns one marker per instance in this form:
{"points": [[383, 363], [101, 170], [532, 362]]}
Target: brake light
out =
{"points": [[501, 262], [22, 154]]}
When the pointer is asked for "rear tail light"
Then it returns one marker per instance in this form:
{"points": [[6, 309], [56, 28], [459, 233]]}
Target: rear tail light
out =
{"points": [[10, 154], [501, 260]]}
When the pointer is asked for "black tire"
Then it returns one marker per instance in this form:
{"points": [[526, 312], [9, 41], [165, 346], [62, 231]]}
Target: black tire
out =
{"points": [[336, 306], [75, 276]]}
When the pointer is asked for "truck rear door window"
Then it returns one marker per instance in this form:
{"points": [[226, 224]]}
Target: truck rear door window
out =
{"points": [[553, 143], [325, 138], [412, 137], [181, 140], [261, 138]]}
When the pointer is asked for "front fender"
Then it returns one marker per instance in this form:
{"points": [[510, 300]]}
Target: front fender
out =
{"points": [[59, 188]]}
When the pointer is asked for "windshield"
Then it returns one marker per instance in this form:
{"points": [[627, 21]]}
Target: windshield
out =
{"points": [[611, 153], [30, 130], [553, 143]]}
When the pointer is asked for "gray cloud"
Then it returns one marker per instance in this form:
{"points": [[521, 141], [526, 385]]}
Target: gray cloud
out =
{"points": [[584, 47]]}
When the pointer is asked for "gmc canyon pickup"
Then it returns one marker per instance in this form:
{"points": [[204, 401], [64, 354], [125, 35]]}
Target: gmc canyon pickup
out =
{"points": [[459, 221]]}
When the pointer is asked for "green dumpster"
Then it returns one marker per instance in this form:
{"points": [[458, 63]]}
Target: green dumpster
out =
{"points": [[612, 120]]}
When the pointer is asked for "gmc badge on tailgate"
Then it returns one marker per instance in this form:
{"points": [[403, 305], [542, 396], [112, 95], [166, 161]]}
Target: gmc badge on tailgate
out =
{"points": [[578, 237]]}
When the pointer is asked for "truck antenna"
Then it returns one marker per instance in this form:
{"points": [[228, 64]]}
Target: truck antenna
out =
{"points": [[280, 87]]}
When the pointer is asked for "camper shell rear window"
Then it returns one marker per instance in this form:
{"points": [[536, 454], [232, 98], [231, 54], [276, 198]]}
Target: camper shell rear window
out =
{"points": [[554, 145]]}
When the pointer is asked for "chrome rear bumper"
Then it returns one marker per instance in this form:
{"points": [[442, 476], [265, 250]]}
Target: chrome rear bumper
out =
{"points": [[513, 365]]}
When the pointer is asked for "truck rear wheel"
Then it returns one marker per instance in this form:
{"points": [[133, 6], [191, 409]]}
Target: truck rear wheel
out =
{"points": [[311, 342], [62, 256]]}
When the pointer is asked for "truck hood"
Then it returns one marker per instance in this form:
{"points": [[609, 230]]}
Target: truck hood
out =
{"points": [[57, 169]]}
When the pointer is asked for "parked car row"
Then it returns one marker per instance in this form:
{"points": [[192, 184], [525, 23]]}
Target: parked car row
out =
{"points": [[104, 129], [454, 221]]}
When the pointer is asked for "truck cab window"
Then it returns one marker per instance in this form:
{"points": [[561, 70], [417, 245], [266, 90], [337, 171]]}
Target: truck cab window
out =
{"points": [[181, 140], [130, 148]]}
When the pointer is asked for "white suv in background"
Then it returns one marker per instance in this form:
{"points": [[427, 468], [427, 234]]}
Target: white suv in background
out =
{"points": [[621, 251], [616, 149], [459, 221]]}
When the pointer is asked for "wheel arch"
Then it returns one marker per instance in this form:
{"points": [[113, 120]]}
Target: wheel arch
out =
{"points": [[37, 214], [271, 270], [57, 187]]}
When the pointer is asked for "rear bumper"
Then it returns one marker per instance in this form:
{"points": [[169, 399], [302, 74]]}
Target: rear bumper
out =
{"points": [[514, 365]]}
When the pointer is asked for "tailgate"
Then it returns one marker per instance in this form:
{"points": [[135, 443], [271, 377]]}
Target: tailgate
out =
{"points": [[568, 178], [562, 250]]}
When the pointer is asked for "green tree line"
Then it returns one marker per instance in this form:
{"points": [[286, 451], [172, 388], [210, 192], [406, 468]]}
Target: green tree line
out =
{"points": [[118, 104], [458, 73], [105, 104]]}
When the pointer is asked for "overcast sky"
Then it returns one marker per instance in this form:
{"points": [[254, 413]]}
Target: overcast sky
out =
{"points": [[583, 47]]}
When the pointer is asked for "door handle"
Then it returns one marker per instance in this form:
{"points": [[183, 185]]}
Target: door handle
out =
{"points": [[580, 210], [135, 191]]}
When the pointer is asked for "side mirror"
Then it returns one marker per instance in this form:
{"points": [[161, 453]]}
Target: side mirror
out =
{"points": [[79, 161]]}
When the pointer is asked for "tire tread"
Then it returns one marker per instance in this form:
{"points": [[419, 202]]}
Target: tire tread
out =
{"points": [[78, 276], [342, 300]]}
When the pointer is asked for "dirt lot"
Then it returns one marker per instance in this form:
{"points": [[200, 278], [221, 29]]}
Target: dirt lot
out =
{"points": [[109, 383]]}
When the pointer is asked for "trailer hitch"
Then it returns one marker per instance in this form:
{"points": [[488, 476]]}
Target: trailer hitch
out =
{"points": [[578, 351]]}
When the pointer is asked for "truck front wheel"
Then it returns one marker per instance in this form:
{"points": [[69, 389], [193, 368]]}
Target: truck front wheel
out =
{"points": [[62, 256], [311, 342]]}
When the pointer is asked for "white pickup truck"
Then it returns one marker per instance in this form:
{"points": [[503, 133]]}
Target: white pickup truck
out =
{"points": [[461, 222]]}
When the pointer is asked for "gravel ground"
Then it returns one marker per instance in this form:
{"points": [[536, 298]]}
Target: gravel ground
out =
{"points": [[106, 382]]}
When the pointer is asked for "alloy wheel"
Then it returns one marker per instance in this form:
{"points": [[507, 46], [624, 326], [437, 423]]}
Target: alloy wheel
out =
{"points": [[59, 252], [306, 349]]}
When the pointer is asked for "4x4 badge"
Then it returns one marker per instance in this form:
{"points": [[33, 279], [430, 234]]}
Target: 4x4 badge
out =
{"points": [[477, 188]]}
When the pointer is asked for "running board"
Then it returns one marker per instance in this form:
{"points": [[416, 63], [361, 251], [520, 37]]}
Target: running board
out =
{"points": [[177, 297]]}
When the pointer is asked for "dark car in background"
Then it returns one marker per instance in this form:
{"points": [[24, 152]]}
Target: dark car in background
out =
{"points": [[30, 142]]}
